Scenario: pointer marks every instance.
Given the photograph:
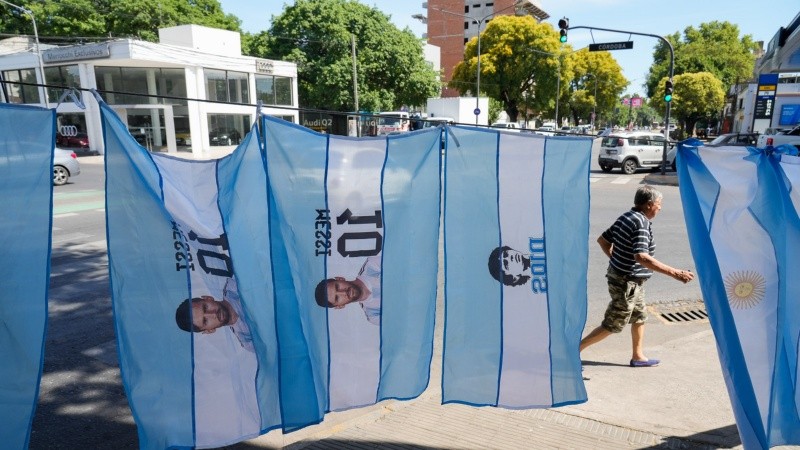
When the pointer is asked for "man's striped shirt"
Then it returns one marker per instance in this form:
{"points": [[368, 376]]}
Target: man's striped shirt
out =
{"points": [[630, 234]]}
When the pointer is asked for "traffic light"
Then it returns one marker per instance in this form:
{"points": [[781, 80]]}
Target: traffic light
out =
{"points": [[563, 24], [668, 91]]}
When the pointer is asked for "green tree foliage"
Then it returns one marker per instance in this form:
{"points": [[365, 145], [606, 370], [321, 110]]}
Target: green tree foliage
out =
{"points": [[510, 71], [714, 47], [593, 72], [316, 35], [111, 18], [697, 96]]}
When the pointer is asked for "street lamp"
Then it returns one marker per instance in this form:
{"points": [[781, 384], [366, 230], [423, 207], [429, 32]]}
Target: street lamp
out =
{"points": [[36, 38], [480, 22], [594, 106]]}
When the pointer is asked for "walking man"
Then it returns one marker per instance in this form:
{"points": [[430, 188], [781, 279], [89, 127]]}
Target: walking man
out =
{"points": [[630, 247]]}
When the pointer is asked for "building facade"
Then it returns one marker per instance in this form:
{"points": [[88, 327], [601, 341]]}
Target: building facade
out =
{"points": [[452, 23], [191, 92]]}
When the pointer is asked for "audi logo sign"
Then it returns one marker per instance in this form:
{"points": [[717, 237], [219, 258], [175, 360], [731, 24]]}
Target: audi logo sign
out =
{"points": [[68, 130]]}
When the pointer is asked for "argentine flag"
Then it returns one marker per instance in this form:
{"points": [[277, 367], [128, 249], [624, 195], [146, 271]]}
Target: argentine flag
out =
{"points": [[27, 135], [189, 263], [516, 228], [355, 226], [743, 231]]}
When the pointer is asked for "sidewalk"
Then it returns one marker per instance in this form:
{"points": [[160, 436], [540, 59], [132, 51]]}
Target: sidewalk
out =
{"points": [[681, 404]]}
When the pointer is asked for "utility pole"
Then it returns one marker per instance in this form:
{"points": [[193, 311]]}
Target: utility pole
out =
{"points": [[355, 84], [669, 81]]}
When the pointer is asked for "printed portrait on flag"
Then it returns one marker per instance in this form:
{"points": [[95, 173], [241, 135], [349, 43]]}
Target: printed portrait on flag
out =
{"points": [[196, 338], [516, 226], [359, 236], [225, 363]]}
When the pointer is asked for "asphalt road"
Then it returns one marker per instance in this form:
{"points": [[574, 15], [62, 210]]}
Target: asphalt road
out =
{"points": [[82, 402]]}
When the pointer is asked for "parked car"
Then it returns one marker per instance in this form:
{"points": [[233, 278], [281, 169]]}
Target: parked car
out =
{"points": [[745, 139], [224, 136], [65, 165], [634, 150], [80, 140], [508, 126], [183, 138], [790, 137]]}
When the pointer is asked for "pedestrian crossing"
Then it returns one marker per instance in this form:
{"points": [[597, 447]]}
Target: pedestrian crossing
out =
{"points": [[614, 179]]}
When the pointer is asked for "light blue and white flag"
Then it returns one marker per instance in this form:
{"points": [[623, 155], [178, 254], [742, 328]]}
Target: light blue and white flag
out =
{"points": [[743, 231], [189, 262], [516, 256], [27, 135], [363, 214]]}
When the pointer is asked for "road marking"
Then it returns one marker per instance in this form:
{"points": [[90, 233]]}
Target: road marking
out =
{"points": [[621, 180], [592, 180], [79, 207], [80, 194], [58, 216]]}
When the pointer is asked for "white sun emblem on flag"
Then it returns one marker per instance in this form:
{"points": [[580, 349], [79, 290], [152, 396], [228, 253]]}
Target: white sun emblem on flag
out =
{"points": [[745, 289]]}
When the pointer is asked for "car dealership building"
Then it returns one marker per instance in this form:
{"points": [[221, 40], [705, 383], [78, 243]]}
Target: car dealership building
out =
{"points": [[191, 92]]}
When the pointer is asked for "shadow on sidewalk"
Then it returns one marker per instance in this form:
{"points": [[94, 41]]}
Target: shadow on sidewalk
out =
{"points": [[725, 437], [603, 363]]}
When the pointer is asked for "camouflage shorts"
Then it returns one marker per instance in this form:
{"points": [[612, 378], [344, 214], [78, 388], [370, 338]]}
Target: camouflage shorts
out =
{"points": [[627, 302]]}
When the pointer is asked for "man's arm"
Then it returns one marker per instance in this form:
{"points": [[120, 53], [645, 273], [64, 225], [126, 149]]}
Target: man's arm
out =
{"points": [[655, 265], [605, 245]]}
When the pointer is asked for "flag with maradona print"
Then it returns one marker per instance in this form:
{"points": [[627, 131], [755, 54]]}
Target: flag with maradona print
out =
{"points": [[516, 227], [740, 205]]}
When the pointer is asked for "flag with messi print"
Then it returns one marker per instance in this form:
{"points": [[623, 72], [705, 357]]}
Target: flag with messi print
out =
{"points": [[192, 292], [516, 226], [740, 205], [355, 229], [27, 135]]}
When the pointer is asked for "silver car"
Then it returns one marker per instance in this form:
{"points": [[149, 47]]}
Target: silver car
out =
{"points": [[65, 165]]}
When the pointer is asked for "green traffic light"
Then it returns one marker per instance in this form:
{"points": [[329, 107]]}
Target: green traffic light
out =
{"points": [[563, 39], [668, 98]]}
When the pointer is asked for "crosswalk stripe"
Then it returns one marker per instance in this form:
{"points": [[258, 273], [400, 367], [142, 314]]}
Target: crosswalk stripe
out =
{"points": [[621, 180]]}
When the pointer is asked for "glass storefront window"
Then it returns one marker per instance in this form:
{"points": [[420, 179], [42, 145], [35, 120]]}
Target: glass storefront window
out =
{"points": [[67, 76], [18, 93], [227, 129], [126, 82], [226, 86], [274, 90], [283, 91]]}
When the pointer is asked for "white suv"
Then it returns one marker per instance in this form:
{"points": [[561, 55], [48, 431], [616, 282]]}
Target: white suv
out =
{"points": [[634, 150]]}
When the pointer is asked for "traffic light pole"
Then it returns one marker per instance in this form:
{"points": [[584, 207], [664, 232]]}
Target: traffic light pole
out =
{"points": [[671, 68]]}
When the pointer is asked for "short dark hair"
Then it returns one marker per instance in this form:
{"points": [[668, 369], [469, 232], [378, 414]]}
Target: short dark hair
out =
{"points": [[321, 293], [496, 268], [183, 316]]}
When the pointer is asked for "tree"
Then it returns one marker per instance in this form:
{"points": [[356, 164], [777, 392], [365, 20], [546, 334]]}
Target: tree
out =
{"points": [[714, 47], [696, 96], [594, 72], [104, 18], [511, 70], [316, 35]]}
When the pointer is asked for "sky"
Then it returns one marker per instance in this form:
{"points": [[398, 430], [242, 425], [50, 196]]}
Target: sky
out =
{"points": [[760, 19]]}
